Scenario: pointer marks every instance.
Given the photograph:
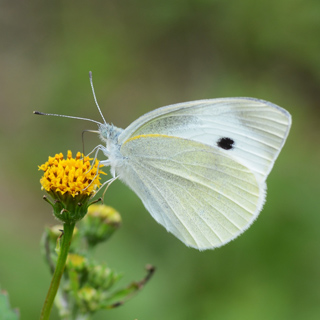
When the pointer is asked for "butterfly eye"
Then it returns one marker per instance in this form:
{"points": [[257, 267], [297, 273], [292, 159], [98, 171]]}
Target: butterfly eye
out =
{"points": [[225, 143]]}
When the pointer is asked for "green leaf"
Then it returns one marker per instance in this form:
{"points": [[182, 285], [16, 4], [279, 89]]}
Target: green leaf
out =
{"points": [[6, 313]]}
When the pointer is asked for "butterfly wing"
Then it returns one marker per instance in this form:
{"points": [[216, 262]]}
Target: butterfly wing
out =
{"points": [[251, 131], [197, 192]]}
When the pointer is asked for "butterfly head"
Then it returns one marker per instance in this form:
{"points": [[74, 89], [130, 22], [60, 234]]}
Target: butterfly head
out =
{"points": [[109, 132]]}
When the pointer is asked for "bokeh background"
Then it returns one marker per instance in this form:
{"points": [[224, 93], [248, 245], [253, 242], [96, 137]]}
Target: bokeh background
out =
{"points": [[143, 55]]}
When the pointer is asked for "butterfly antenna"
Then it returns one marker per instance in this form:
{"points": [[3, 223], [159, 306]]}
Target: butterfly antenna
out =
{"points": [[94, 96], [64, 116]]}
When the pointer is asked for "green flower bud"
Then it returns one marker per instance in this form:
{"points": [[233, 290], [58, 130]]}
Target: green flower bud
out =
{"points": [[76, 262], [89, 299], [102, 277], [100, 223]]}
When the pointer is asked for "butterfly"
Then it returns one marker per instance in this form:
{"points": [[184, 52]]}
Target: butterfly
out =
{"points": [[199, 167]]}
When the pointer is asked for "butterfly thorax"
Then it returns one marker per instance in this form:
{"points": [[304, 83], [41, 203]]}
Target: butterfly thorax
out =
{"points": [[109, 135]]}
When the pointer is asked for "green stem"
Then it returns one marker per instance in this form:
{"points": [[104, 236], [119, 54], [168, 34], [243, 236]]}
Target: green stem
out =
{"points": [[58, 272]]}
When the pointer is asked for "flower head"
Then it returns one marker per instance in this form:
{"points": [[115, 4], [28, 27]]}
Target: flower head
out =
{"points": [[71, 182], [71, 175]]}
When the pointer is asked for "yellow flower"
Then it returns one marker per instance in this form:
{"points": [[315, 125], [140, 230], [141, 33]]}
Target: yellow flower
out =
{"points": [[71, 182], [71, 175]]}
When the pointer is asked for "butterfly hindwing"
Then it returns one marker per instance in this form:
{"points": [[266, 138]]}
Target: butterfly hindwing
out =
{"points": [[197, 192]]}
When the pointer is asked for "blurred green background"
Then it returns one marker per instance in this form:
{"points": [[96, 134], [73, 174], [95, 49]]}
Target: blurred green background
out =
{"points": [[144, 55]]}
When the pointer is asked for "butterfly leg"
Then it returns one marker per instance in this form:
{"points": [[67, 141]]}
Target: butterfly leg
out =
{"points": [[108, 182], [96, 150]]}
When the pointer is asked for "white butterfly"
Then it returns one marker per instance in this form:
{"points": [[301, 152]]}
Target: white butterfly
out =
{"points": [[199, 167]]}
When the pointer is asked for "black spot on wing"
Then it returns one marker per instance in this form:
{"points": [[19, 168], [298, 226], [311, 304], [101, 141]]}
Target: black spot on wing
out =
{"points": [[225, 143]]}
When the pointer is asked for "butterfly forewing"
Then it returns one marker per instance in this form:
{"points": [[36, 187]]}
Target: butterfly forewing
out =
{"points": [[254, 129]]}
